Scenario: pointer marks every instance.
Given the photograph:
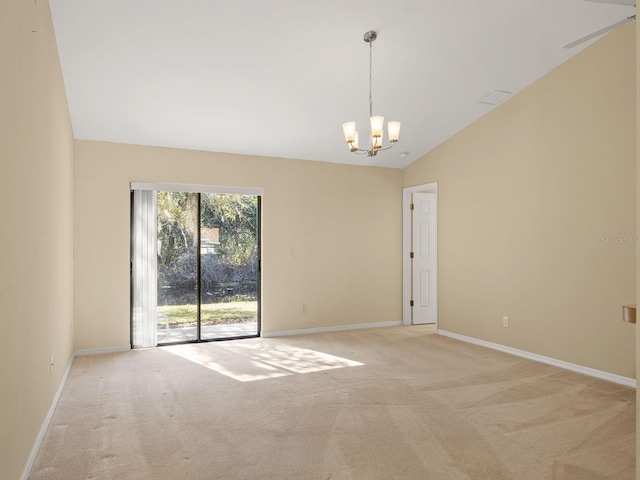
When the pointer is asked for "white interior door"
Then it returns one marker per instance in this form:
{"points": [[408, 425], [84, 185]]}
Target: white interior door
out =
{"points": [[424, 261]]}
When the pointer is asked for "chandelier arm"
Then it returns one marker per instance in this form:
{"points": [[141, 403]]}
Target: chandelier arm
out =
{"points": [[360, 151], [393, 144], [371, 152]]}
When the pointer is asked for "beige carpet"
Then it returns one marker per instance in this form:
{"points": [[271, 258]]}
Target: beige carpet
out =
{"points": [[389, 403]]}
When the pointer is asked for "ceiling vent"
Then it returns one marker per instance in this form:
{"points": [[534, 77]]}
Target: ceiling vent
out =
{"points": [[495, 97]]}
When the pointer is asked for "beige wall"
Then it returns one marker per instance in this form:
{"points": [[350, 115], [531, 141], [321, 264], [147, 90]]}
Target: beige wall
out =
{"points": [[36, 208], [344, 222], [528, 196]]}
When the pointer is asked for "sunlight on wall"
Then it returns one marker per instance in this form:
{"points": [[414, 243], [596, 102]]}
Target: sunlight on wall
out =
{"points": [[258, 359]]}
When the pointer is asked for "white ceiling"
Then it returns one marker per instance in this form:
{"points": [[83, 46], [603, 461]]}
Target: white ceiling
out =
{"points": [[279, 77]]}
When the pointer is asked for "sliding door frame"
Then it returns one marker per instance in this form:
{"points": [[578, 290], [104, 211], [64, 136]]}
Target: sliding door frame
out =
{"points": [[200, 189]]}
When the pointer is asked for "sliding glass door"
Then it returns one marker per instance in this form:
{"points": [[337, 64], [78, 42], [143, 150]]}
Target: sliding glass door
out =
{"points": [[206, 266], [177, 304], [229, 265]]}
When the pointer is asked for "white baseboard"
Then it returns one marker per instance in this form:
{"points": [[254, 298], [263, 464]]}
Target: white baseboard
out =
{"points": [[592, 372], [45, 424], [47, 420], [101, 351], [337, 328]]}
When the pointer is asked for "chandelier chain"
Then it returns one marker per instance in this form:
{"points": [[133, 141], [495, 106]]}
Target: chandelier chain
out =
{"points": [[370, 79]]}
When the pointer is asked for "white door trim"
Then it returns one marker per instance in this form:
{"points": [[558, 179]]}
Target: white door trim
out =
{"points": [[406, 247]]}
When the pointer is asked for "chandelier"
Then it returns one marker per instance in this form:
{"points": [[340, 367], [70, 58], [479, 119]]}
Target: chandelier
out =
{"points": [[376, 122]]}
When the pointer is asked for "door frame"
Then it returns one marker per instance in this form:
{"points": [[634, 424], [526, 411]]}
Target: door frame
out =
{"points": [[200, 189], [406, 248]]}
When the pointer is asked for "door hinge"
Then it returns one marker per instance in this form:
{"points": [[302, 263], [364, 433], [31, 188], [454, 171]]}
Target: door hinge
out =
{"points": [[411, 206], [411, 303], [410, 254]]}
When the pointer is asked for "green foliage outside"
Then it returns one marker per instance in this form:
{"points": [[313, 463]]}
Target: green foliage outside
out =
{"points": [[235, 216], [210, 314], [177, 226], [228, 276]]}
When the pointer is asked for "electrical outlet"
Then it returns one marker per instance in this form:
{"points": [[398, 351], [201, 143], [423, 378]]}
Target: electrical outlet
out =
{"points": [[51, 363], [304, 308], [505, 321]]}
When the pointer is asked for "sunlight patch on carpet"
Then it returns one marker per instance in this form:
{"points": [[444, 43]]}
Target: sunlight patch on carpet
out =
{"points": [[258, 360]]}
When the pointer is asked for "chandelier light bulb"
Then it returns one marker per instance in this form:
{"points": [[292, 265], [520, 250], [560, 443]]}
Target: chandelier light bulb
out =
{"points": [[393, 129], [349, 129], [377, 124]]}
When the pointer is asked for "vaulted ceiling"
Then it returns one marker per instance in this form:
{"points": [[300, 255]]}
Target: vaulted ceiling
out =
{"points": [[279, 77]]}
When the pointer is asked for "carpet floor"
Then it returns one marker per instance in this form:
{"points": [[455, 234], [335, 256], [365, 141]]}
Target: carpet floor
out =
{"points": [[388, 403]]}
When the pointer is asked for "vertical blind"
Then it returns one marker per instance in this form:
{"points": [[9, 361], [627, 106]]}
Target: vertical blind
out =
{"points": [[144, 269]]}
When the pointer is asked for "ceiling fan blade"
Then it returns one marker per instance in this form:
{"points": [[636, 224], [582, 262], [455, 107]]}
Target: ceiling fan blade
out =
{"points": [[602, 31], [629, 3]]}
